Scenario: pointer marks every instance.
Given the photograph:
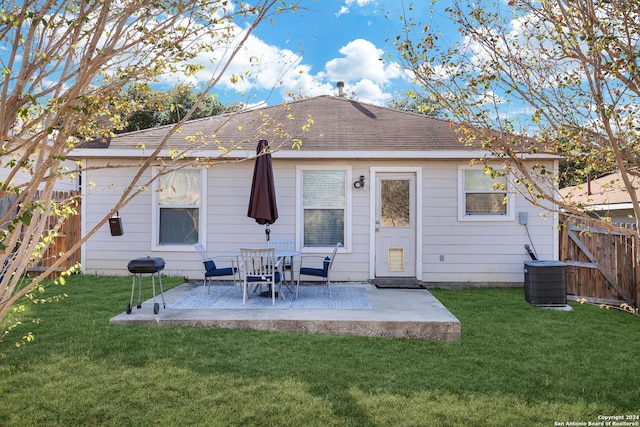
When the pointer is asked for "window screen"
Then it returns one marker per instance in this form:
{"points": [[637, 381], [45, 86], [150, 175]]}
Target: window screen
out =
{"points": [[323, 202], [484, 194], [179, 198]]}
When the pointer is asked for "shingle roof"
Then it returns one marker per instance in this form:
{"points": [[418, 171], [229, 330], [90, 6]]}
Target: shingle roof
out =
{"points": [[608, 189], [339, 124]]}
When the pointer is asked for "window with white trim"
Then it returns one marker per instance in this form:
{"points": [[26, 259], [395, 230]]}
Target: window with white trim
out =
{"points": [[324, 207], [484, 195], [178, 197]]}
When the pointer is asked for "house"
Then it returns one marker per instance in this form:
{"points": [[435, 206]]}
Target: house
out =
{"points": [[605, 197], [396, 188], [37, 157]]}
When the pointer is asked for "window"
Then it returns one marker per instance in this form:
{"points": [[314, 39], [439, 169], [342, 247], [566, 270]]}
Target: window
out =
{"points": [[324, 207], [483, 196], [178, 208], [395, 203]]}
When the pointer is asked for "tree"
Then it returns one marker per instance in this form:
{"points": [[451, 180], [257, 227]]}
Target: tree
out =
{"points": [[414, 104], [64, 65], [550, 76], [157, 108]]}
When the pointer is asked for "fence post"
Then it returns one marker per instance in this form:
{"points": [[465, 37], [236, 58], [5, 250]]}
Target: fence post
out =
{"points": [[636, 273]]}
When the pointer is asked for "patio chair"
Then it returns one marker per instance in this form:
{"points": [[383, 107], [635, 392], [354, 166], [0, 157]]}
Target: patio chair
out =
{"points": [[212, 270], [287, 263], [323, 272], [261, 268]]}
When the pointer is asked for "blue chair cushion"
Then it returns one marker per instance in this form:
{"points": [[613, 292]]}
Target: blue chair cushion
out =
{"points": [[263, 278], [327, 260], [320, 272], [212, 271], [228, 271]]}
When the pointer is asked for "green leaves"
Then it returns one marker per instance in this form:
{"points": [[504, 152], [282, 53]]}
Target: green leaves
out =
{"points": [[26, 216]]}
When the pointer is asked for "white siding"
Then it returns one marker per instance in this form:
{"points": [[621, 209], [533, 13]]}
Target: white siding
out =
{"points": [[103, 253], [473, 252], [478, 252]]}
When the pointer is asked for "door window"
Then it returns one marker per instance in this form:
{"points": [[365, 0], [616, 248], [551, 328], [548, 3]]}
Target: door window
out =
{"points": [[395, 209]]}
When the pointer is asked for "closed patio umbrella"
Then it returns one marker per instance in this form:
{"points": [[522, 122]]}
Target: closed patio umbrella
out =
{"points": [[262, 201]]}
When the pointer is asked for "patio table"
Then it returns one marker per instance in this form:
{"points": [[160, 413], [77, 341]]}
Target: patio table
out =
{"points": [[283, 255]]}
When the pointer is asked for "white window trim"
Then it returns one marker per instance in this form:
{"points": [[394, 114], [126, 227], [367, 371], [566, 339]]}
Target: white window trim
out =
{"points": [[155, 216], [462, 216], [348, 229]]}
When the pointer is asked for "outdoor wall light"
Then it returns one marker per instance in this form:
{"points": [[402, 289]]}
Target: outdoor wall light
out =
{"points": [[359, 183]]}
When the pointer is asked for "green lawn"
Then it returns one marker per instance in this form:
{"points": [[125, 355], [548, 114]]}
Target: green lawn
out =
{"points": [[515, 366]]}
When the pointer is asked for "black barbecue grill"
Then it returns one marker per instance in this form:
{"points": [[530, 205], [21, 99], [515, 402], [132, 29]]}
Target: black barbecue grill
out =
{"points": [[140, 266]]}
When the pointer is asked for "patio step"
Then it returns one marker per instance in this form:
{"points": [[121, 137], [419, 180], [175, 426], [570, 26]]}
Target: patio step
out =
{"points": [[398, 283], [394, 313]]}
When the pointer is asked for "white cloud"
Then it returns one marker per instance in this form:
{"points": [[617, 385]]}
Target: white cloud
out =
{"points": [[362, 60], [490, 98], [348, 3], [343, 10], [360, 2], [257, 65], [261, 67], [367, 91], [365, 74], [361, 69]]}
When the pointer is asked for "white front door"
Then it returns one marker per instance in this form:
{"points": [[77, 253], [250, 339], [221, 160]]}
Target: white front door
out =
{"points": [[395, 225]]}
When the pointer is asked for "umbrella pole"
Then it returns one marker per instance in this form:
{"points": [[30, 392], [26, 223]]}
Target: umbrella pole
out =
{"points": [[267, 294]]}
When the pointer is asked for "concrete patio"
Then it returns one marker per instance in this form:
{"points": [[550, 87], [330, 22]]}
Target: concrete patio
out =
{"points": [[396, 313]]}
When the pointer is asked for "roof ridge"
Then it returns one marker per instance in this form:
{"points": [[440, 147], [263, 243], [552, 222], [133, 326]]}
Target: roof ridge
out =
{"points": [[281, 105], [382, 107]]}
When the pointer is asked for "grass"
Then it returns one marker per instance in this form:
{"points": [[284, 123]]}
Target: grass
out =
{"points": [[515, 365]]}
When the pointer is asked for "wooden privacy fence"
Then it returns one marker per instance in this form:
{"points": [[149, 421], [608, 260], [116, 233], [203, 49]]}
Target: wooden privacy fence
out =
{"points": [[68, 235], [601, 264]]}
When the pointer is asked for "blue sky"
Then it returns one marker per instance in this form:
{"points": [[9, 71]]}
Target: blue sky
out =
{"points": [[307, 52]]}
